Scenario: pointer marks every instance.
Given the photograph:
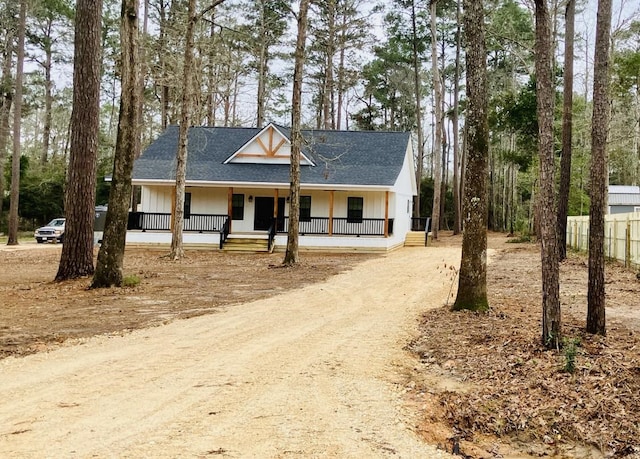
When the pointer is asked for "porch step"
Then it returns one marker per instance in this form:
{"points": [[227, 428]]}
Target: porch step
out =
{"points": [[246, 244], [415, 239]]}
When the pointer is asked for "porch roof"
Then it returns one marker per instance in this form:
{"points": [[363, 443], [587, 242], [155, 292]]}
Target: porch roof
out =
{"points": [[357, 158]]}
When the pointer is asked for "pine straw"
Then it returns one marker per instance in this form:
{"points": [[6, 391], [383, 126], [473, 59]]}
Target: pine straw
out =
{"points": [[520, 392]]}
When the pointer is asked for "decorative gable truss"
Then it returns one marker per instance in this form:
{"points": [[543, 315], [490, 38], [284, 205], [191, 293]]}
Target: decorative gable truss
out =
{"points": [[269, 146]]}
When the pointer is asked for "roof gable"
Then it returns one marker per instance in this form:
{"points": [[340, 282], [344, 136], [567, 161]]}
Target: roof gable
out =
{"points": [[269, 146]]}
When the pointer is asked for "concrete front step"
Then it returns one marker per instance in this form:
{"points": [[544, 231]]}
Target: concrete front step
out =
{"points": [[415, 239], [246, 244]]}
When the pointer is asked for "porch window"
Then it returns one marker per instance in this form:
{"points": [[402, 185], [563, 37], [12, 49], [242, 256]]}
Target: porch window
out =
{"points": [[237, 207], [305, 208], [187, 206], [354, 209]]}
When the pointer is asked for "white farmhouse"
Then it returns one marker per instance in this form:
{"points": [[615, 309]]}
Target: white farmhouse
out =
{"points": [[357, 189]]}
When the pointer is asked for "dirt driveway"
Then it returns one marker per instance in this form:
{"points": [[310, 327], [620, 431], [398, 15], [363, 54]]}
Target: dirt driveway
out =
{"points": [[314, 372]]}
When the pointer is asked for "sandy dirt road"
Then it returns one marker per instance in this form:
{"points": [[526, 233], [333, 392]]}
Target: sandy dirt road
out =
{"points": [[314, 372]]}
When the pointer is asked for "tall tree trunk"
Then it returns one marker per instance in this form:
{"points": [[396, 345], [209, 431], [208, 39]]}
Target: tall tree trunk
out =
{"points": [[437, 147], [17, 124], [551, 323], [186, 107], [263, 70], [342, 73], [457, 226], [164, 87], [111, 255], [472, 282], [48, 103], [77, 252], [226, 98], [212, 82], [417, 89], [445, 141], [567, 126], [514, 203], [236, 92], [141, 70], [329, 110], [291, 255], [443, 182], [599, 127], [463, 172], [492, 186], [6, 99]]}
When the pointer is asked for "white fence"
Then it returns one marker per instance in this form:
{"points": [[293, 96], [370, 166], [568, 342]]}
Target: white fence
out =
{"points": [[621, 236]]}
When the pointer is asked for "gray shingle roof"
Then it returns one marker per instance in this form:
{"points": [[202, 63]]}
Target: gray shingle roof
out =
{"points": [[372, 158]]}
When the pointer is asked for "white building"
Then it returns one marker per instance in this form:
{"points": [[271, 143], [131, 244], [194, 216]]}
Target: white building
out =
{"points": [[357, 189]]}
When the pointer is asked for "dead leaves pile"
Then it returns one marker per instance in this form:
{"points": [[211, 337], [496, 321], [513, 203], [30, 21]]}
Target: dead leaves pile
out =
{"points": [[519, 392]]}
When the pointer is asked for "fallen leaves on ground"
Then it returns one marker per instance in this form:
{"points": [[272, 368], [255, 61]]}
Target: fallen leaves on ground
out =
{"points": [[516, 392]]}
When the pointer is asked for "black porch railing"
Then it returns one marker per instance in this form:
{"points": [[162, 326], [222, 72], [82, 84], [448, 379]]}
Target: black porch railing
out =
{"points": [[421, 224], [341, 226], [363, 227], [151, 221], [201, 223], [316, 225]]}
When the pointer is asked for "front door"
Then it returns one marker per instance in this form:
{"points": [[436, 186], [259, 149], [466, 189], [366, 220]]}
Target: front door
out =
{"points": [[263, 216], [281, 204]]}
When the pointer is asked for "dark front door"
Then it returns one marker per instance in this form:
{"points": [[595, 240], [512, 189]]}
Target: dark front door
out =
{"points": [[263, 216], [281, 204]]}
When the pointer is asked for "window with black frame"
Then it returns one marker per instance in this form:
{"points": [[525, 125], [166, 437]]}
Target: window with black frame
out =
{"points": [[305, 208], [354, 209], [237, 207], [187, 206]]}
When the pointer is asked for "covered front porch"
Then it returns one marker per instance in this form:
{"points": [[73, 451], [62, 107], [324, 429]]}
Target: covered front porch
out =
{"points": [[217, 229], [328, 218]]}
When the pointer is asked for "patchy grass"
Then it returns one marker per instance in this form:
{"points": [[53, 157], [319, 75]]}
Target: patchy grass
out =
{"points": [[520, 239], [131, 281]]}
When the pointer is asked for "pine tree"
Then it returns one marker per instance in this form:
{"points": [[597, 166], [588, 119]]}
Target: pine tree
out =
{"points": [[551, 324], [472, 283], [17, 125], [291, 254], [567, 128], [599, 126], [111, 255], [77, 253]]}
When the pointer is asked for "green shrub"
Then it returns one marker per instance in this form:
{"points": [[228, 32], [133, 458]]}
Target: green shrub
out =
{"points": [[570, 348]]}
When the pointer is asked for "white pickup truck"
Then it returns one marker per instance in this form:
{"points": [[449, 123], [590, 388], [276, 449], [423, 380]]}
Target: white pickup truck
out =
{"points": [[54, 231]]}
